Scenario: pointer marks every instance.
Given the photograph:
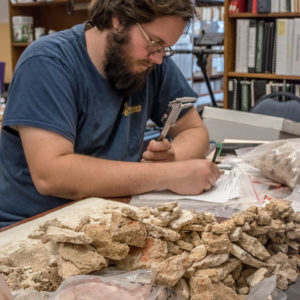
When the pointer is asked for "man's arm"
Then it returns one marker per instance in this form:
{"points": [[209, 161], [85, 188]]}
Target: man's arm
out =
{"points": [[57, 171], [189, 140]]}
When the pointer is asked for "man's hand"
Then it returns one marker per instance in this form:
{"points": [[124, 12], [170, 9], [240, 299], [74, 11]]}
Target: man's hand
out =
{"points": [[195, 177], [159, 151]]}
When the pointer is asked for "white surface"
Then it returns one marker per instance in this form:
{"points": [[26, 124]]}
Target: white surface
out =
{"points": [[224, 190], [69, 215], [232, 124]]}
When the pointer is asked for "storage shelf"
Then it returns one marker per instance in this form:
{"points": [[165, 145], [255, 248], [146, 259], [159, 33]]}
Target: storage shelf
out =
{"points": [[42, 3], [264, 16], [47, 3], [199, 78], [20, 44], [263, 76]]}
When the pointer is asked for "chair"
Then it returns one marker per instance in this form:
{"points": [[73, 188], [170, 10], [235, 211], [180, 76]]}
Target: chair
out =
{"points": [[289, 109]]}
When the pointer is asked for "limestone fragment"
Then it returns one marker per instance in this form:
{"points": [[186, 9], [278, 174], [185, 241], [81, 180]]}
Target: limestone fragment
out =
{"points": [[169, 271], [103, 243], [211, 261], [253, 246], [155, 250], [202, 289], [63, 235], [216, 243], [245, 257], [78, 259], [225, 227], [125, 230], [257, 277], [186, 217]]}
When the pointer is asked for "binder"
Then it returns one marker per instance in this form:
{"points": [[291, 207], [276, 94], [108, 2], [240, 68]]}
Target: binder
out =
{"points": [[259, 45], [245, 95], [263, 6], [252, 45], [296, 48]]}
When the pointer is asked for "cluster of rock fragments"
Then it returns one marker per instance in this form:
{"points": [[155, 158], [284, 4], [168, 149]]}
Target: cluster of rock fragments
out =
{"points": [[187, 250]]}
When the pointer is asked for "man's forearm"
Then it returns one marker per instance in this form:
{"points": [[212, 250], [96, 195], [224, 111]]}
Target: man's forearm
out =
{"points": [[75, 176], [191, 143]]}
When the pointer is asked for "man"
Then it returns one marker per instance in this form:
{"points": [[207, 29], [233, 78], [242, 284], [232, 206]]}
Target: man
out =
{"points": [[78, 106]]}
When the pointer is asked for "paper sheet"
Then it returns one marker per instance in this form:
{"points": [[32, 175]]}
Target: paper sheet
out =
{"points": [[225, 188]]}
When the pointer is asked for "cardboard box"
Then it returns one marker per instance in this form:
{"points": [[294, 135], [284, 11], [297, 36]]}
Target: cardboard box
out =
{"points": [[231, 124]]}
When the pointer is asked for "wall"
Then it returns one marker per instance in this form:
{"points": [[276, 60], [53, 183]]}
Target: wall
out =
{"points": [[5, 50]]}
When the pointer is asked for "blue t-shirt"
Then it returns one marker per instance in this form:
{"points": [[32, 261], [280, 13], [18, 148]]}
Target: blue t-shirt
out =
{"points": [[56, 87]]}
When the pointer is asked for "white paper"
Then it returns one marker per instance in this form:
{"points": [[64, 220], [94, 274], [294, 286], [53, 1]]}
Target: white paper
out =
{"points": [[225, 188]]}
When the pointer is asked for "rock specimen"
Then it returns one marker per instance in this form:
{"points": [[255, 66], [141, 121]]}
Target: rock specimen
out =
{"points": [[191, 251]]}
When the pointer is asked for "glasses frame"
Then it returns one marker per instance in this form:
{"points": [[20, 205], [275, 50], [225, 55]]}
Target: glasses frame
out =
{"points": [[167, 51]]}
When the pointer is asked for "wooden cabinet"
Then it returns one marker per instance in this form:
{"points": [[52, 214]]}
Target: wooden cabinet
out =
{"points": [[56, 15], [230, 40]]}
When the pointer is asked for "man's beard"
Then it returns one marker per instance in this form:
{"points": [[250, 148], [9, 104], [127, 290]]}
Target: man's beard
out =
{"points": [[118, 63]]}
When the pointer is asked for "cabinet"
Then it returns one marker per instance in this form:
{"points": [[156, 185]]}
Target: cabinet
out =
{"points": [[273, 75], [52, 15]]}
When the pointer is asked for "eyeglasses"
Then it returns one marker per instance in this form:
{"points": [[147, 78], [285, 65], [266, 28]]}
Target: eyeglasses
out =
{"points": [[155, 47]]}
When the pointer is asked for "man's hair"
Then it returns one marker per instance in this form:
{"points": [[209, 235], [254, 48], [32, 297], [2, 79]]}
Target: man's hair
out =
{"points": [[130, 12]]}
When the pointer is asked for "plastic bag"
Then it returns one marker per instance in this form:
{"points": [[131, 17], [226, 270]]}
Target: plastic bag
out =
{"points": [[115, 287], [279, 160], [5, 293]]}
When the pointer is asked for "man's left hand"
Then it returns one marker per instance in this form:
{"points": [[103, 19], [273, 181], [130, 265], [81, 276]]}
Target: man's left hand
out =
{"points": [[159, 151]]}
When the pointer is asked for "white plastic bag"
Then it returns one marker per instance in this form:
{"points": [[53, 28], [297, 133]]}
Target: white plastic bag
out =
{"points": [[278, 160]]}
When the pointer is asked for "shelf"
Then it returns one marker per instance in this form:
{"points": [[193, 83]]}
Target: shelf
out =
{"points": [[263, 76], [20, 44], [263, 16], [209, 2], [199, 78], [46, 3]]}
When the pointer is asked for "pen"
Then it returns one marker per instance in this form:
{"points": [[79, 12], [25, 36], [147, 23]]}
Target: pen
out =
{"points": [[218, 151]]}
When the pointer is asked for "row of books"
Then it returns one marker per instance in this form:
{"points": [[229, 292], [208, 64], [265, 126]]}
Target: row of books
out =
{"points": [[201, 87], [210, 13], [268, 46], [244, 93], [263, 6]]}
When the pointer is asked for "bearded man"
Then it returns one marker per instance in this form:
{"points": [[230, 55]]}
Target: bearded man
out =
{"points": [[78, 106]]}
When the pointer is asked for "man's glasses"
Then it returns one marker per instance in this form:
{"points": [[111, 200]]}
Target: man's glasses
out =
{"points": [[155, 47]]}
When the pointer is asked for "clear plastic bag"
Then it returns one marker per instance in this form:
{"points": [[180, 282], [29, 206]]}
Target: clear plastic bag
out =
{"points": [[278, 160], [113, 287]]}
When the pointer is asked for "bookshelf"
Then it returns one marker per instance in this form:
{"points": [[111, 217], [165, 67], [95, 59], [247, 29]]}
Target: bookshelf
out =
{"points": [[230, 40], [54, 15]]}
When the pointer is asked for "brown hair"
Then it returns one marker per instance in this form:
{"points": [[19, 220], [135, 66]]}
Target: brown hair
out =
{"points": [[130, 12]]}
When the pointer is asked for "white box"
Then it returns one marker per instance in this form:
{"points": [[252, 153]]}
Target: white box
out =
{"points": [[231, 124]]}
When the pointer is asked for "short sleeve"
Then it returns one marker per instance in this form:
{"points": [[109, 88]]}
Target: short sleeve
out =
{"points": [[43, 95]]}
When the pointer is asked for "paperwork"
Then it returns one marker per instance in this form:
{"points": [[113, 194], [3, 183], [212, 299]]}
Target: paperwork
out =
{"points": [[226, 188]]}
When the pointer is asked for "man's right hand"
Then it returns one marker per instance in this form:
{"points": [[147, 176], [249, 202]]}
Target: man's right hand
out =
{"points": [[194, 177]]}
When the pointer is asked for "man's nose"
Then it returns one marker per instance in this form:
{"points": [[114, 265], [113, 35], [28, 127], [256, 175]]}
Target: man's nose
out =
{"points": [[156, 57]]}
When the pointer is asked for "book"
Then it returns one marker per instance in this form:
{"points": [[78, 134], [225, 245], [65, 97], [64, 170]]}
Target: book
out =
{"points": [[245, 95], [242, 40], [230, 93], [270, 52], [296, 48], [252, 45], [254, 6], [259, 45], [237, 6], [263, 6], [275, 5], [281, 45], [259, 89]]}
